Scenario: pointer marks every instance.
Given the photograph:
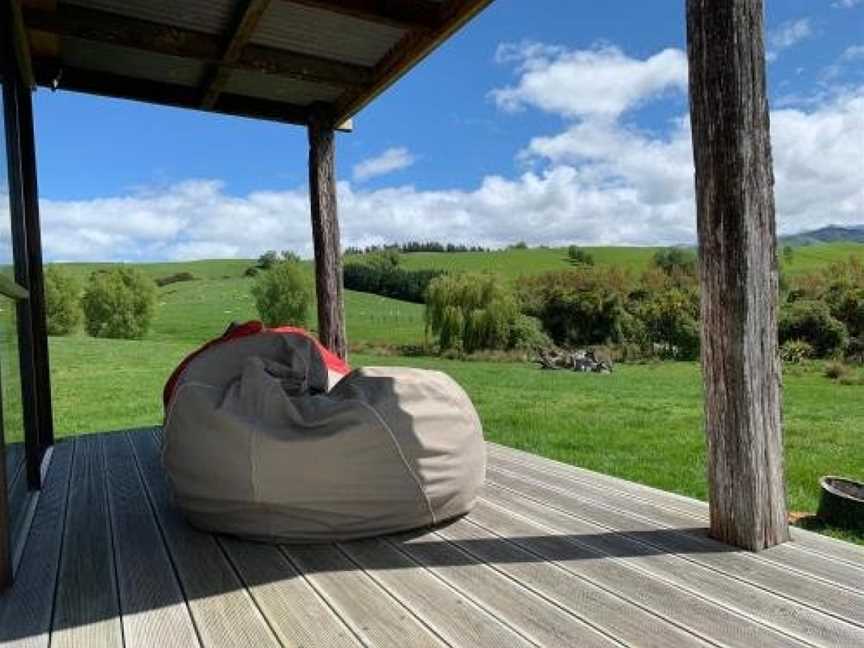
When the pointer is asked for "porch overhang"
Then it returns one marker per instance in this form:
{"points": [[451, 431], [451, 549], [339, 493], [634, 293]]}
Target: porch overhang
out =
{"points": [[278, 60]]}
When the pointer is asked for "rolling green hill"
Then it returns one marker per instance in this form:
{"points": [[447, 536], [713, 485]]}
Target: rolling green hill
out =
{"points": [[515, 263]]}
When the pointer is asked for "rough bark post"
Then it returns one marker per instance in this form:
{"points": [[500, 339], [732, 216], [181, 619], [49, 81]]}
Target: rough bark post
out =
{"points": [[738, 271], [325, 235]]}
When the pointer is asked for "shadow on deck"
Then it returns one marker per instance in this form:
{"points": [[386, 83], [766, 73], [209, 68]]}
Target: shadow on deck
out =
{"points": [[552, 555]]}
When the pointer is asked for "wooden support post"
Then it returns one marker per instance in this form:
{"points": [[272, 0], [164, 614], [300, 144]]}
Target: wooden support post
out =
{"points": [[738, 271], [325, 235], [33, 226]]}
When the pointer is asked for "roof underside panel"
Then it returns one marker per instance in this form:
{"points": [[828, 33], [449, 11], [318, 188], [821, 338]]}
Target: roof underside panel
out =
{"points": [[210, 55], [321, 33], [87, 55], [210, 16], [263, 86]]}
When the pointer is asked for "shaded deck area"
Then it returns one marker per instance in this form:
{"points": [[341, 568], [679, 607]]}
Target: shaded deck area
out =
{"points": [[552, 556]]}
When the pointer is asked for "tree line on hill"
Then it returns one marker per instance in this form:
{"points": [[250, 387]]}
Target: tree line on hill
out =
{"points": [[651, 314], [414, 246]]}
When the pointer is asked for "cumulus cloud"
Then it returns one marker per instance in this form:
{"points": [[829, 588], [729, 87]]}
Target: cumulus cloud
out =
{"points": [[393, 159], [601, 180], [602, 81], [786, 35], [846, 4]]}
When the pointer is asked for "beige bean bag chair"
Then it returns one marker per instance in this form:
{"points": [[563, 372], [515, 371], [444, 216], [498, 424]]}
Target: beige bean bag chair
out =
{"points": [[255, 445]]}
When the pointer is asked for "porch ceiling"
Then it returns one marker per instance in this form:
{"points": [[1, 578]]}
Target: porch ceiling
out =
{"points": [[267, 59]]}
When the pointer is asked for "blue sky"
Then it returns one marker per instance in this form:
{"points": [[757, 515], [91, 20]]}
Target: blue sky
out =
{"points": [[550, 121]]}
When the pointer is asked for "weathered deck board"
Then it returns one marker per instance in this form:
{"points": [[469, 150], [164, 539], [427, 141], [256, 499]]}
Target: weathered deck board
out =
{"points": [[453, 616], [26, 609], [297, 614], [620, 489], [696, 547], [152, 605], [744, 599], [552, 556], [706, 620], [520, 607], [86, 609], [224, 612], [372, 613]]}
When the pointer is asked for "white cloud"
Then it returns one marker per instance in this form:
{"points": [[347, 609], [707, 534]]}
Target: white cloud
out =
{"points": [[786, 35], [846, 4], [601, 180], [598, 82], [853, 53], [393, 159]]}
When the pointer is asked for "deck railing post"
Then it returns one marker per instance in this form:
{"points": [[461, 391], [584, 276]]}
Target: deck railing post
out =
{"points": [[738, 271], [325, 234]]}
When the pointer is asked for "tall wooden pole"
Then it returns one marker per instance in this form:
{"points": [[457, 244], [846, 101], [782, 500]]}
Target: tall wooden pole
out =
{"points": [[738, 271], [325, 236]]}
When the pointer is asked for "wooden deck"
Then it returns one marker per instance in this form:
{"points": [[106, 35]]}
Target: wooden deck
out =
{"points": [[552, 556]]}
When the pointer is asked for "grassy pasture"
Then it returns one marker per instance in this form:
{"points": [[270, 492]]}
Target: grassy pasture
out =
{"points": [[642, 423]]}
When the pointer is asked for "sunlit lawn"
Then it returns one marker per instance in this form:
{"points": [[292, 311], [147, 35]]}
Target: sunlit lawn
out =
{"points": [[642, 423]]}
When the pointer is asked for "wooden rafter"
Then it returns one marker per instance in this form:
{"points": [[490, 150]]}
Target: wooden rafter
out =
{"points": [[21, 45], [166, 94], [113, 29], [405, 14], [247, 20], [412, 49]]}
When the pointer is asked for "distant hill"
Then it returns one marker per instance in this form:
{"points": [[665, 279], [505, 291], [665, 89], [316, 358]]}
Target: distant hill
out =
{"points": [[829, 234]]}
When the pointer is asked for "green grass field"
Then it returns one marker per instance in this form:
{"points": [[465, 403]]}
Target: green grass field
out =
{"points": [[643, 423]]}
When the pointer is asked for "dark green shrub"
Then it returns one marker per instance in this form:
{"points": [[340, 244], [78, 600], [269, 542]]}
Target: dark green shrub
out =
{"points": [[251, 271], [119, 303], [267, 260], [526, 333], [675, 260], [847, 305], [290, 255], [577, 255], [382, 277], [855, 350], [177, 277], [671, 320], [282, 295], [62, 301], [812, 322], [578, 307], [470, 312], [796, 351], [837, 371]]}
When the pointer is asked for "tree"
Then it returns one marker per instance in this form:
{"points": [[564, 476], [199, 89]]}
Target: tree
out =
{"points": [[812, 322], [119, 303], [282, 295], [788, 254], [268, 260], [675, 259], [579, 256], [470, 312], [62, 301]]}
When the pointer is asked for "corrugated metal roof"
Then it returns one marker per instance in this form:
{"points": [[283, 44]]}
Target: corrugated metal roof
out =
{"points": [[313, 31], [131, 62], [211, 16], [264, 86]]}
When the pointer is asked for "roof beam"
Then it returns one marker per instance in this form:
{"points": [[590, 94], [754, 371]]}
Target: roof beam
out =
{"points": [[113, 29], [412, 49], [167, 94], [405, 14], [247, 20], [21, 46]]}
